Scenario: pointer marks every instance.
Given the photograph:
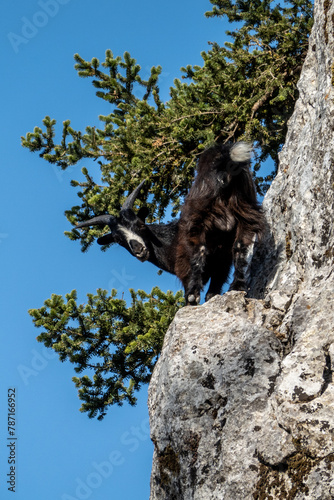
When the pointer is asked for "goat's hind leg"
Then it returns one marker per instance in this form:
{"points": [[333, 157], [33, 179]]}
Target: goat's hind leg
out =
{"points": [[242, 256]]}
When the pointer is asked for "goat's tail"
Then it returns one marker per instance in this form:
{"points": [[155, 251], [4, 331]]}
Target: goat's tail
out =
{"points": [[241, 152]]}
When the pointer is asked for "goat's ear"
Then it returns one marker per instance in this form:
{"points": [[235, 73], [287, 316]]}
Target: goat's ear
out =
{"points": [[143, 213], [106, 239]]}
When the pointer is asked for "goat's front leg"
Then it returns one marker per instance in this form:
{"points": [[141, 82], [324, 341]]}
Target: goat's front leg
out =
{"points": [[242, 256], [190, 267]]}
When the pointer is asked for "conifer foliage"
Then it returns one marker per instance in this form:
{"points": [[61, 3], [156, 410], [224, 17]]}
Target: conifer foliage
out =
{"points": [[245, 89], [114, 345]]}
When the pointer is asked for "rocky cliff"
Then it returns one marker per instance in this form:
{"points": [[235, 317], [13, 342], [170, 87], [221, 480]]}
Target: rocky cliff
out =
{"points": [[242, 399]]}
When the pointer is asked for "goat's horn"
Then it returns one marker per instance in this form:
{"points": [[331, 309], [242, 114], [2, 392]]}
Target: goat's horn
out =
{"points": [[100, 220], [132, 197]]}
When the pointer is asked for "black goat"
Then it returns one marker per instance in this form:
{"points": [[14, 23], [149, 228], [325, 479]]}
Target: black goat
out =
{"points": [[218, 223]]}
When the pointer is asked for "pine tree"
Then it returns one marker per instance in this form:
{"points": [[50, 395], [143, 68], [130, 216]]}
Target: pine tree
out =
{"points": [[244, 90]]}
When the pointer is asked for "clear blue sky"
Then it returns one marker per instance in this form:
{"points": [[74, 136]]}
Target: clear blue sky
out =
{"points": [[60, 453]]}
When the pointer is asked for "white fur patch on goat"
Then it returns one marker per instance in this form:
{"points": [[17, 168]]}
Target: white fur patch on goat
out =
{"points": [[202, 251], [249, 256], [241, 151], [130, 235]]}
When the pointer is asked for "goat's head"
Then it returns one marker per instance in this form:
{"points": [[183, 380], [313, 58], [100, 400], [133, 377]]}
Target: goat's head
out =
{"points": [[128, 229]]}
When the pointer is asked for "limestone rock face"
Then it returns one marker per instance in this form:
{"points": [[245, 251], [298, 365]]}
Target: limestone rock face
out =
{"points": [[242, 398]]}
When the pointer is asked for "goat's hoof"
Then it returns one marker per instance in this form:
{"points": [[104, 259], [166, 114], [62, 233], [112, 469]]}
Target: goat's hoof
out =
{"points": [[238, 286], [210, 296], [191, 299]]}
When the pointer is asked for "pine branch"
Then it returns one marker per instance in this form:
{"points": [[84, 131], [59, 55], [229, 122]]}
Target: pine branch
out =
{"points": [[124, 342]]}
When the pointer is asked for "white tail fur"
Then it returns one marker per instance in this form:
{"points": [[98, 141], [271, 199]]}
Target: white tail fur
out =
{"points": [[241, 151]]}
